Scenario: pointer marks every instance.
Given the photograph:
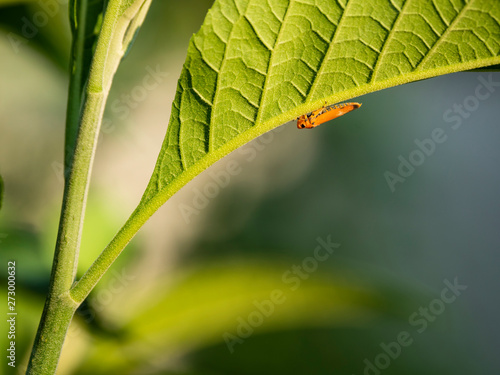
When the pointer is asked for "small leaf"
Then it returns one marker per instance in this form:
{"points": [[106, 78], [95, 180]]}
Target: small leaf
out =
{"points": [[134, 26], [86, 18], [256, 64]]}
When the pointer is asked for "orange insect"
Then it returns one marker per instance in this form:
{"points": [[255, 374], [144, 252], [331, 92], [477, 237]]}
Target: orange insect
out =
{"points": [[327, 113]]}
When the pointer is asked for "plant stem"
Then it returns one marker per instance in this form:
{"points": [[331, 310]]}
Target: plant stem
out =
{"points": [[54, 325], [76, 88], [59, 306], [84, 286]]}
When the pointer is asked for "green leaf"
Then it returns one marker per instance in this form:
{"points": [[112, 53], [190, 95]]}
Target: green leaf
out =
{"points": [[256, 64], [135, 23], [86, 18], [491, 68]]}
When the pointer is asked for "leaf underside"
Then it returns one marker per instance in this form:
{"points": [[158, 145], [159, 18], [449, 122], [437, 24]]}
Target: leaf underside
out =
{"points": [[256, 64]]}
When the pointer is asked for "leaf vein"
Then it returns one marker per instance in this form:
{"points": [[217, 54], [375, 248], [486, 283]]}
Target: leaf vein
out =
{"points": [[328, 51], [269, 67], [217, 91], [383, 53], [443, 36]]}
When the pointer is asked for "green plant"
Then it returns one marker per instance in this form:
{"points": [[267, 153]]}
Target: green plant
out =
{"points": [[253, 66]]}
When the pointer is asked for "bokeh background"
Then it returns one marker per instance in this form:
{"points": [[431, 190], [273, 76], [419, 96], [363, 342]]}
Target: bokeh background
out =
{"points": [[188, 281]]}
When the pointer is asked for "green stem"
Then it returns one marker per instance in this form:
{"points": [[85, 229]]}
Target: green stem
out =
{"points": [[121, 19], [54, 325], [89, 280], [75, 90], [59, 306]]}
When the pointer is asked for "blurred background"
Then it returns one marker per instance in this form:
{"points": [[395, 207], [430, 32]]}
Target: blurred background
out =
{"points": [[196, 292]]}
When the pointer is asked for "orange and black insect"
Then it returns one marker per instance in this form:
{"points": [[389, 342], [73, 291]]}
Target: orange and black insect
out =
{"points": [[327, 113]]}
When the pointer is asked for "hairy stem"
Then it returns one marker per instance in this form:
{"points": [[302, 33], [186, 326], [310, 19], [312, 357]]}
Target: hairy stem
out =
{"points": [[59, 306], [76, 88], [121, 19]]}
